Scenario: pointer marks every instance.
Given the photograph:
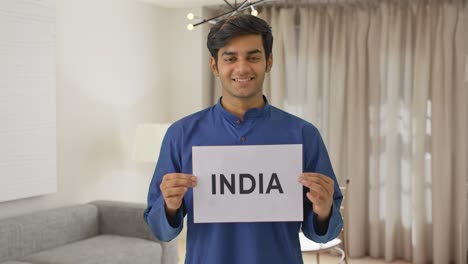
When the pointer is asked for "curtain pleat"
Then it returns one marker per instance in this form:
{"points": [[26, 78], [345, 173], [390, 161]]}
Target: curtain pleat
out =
{"points": [[356, 138], [445, 194]]}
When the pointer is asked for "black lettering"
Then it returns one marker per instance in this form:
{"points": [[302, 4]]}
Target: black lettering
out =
{"points": [[213, 183], [243, 176], [230, 185], [260, 183], [274, 178]]}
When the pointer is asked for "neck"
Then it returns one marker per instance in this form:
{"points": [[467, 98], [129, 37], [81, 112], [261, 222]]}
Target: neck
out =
{"points": [[238, 107]]}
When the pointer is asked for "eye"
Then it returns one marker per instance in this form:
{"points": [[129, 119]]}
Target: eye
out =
{"points": [[229, 59], [254, 58]]}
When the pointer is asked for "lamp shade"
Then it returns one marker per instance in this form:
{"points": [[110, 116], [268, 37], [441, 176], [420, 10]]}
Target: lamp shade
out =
{"points": [[148, 140], [466, 68]]}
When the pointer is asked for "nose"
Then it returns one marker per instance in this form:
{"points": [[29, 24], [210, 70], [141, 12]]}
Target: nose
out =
{"points": [[242, 67]]}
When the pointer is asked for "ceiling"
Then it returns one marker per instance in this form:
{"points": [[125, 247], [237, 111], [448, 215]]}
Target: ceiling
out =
{"points": [[188, 3]]}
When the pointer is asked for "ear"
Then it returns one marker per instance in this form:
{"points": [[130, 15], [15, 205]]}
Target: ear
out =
{"points": [[269, 63], [213, 67]]}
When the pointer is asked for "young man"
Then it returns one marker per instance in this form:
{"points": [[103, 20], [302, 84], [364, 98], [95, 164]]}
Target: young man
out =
{"points": [[241, 56]]}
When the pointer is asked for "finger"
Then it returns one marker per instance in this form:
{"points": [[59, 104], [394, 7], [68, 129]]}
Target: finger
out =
{"points": [[179, 179], [182, 176], [320, 194], [177, 183], [318, 177], [329, 187], [319, 189], [319, 199], [312, 197], [308, 182], [315, 198], [178, 191], [171, 176]]}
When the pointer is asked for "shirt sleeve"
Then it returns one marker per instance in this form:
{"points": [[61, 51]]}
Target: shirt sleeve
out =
{"points": [[155, 214], [316, 159]]}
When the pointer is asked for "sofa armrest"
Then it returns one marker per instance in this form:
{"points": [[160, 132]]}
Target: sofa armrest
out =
{"points": [[126, 219]]}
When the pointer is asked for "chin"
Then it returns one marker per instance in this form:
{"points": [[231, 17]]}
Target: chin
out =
{"points": [[246, 95]]}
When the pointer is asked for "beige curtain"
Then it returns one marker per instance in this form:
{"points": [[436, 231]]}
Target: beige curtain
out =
{"points": [[384, 83]]}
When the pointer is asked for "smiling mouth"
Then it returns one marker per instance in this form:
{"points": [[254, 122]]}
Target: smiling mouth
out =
{"points": [[243, 80]]}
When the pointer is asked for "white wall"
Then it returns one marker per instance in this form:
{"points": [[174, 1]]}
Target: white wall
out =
{"points": [[119, 63], [190, 74]]}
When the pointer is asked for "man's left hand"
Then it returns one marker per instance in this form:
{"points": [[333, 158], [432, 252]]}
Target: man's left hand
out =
{"points": [[321, 189]]}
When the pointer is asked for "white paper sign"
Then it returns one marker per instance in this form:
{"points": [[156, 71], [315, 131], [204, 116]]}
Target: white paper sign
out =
{"points": [[247, 183]]}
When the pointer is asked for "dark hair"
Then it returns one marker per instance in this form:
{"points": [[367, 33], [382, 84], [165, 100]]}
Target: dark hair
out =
{"points": [[226, 29]]}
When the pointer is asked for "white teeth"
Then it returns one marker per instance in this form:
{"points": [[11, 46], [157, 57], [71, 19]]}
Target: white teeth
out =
{"points": [[243, 80]]}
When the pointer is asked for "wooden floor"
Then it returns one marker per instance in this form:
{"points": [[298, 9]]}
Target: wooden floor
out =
{"points": [[309, 258]]}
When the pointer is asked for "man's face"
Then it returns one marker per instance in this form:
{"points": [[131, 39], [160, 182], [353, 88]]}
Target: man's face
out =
{"points": [[241, 67]]}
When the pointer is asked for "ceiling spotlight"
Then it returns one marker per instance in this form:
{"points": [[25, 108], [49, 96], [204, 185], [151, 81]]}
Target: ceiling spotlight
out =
{"points": [[254, 12], [196, 20]]}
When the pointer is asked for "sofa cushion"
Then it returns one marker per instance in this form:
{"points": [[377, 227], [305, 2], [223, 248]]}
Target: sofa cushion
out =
{"points": [[101, 250], [123, 219], [31, 233]]}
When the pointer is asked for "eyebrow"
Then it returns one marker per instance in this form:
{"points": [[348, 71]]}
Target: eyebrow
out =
{"points": [[230, 53]]}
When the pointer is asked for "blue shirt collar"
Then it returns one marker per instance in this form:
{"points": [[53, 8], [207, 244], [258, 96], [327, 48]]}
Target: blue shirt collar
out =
{"points": [[250, 114]]}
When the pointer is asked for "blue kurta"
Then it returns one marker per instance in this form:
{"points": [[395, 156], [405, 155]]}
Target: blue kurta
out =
{"points": [[239, 243]]}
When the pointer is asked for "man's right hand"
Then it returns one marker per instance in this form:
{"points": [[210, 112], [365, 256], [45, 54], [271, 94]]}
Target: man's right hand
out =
{"points": [[173, 188]]}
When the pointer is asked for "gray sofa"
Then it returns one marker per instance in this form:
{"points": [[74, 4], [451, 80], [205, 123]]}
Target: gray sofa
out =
{"points": [[99, 232]]}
